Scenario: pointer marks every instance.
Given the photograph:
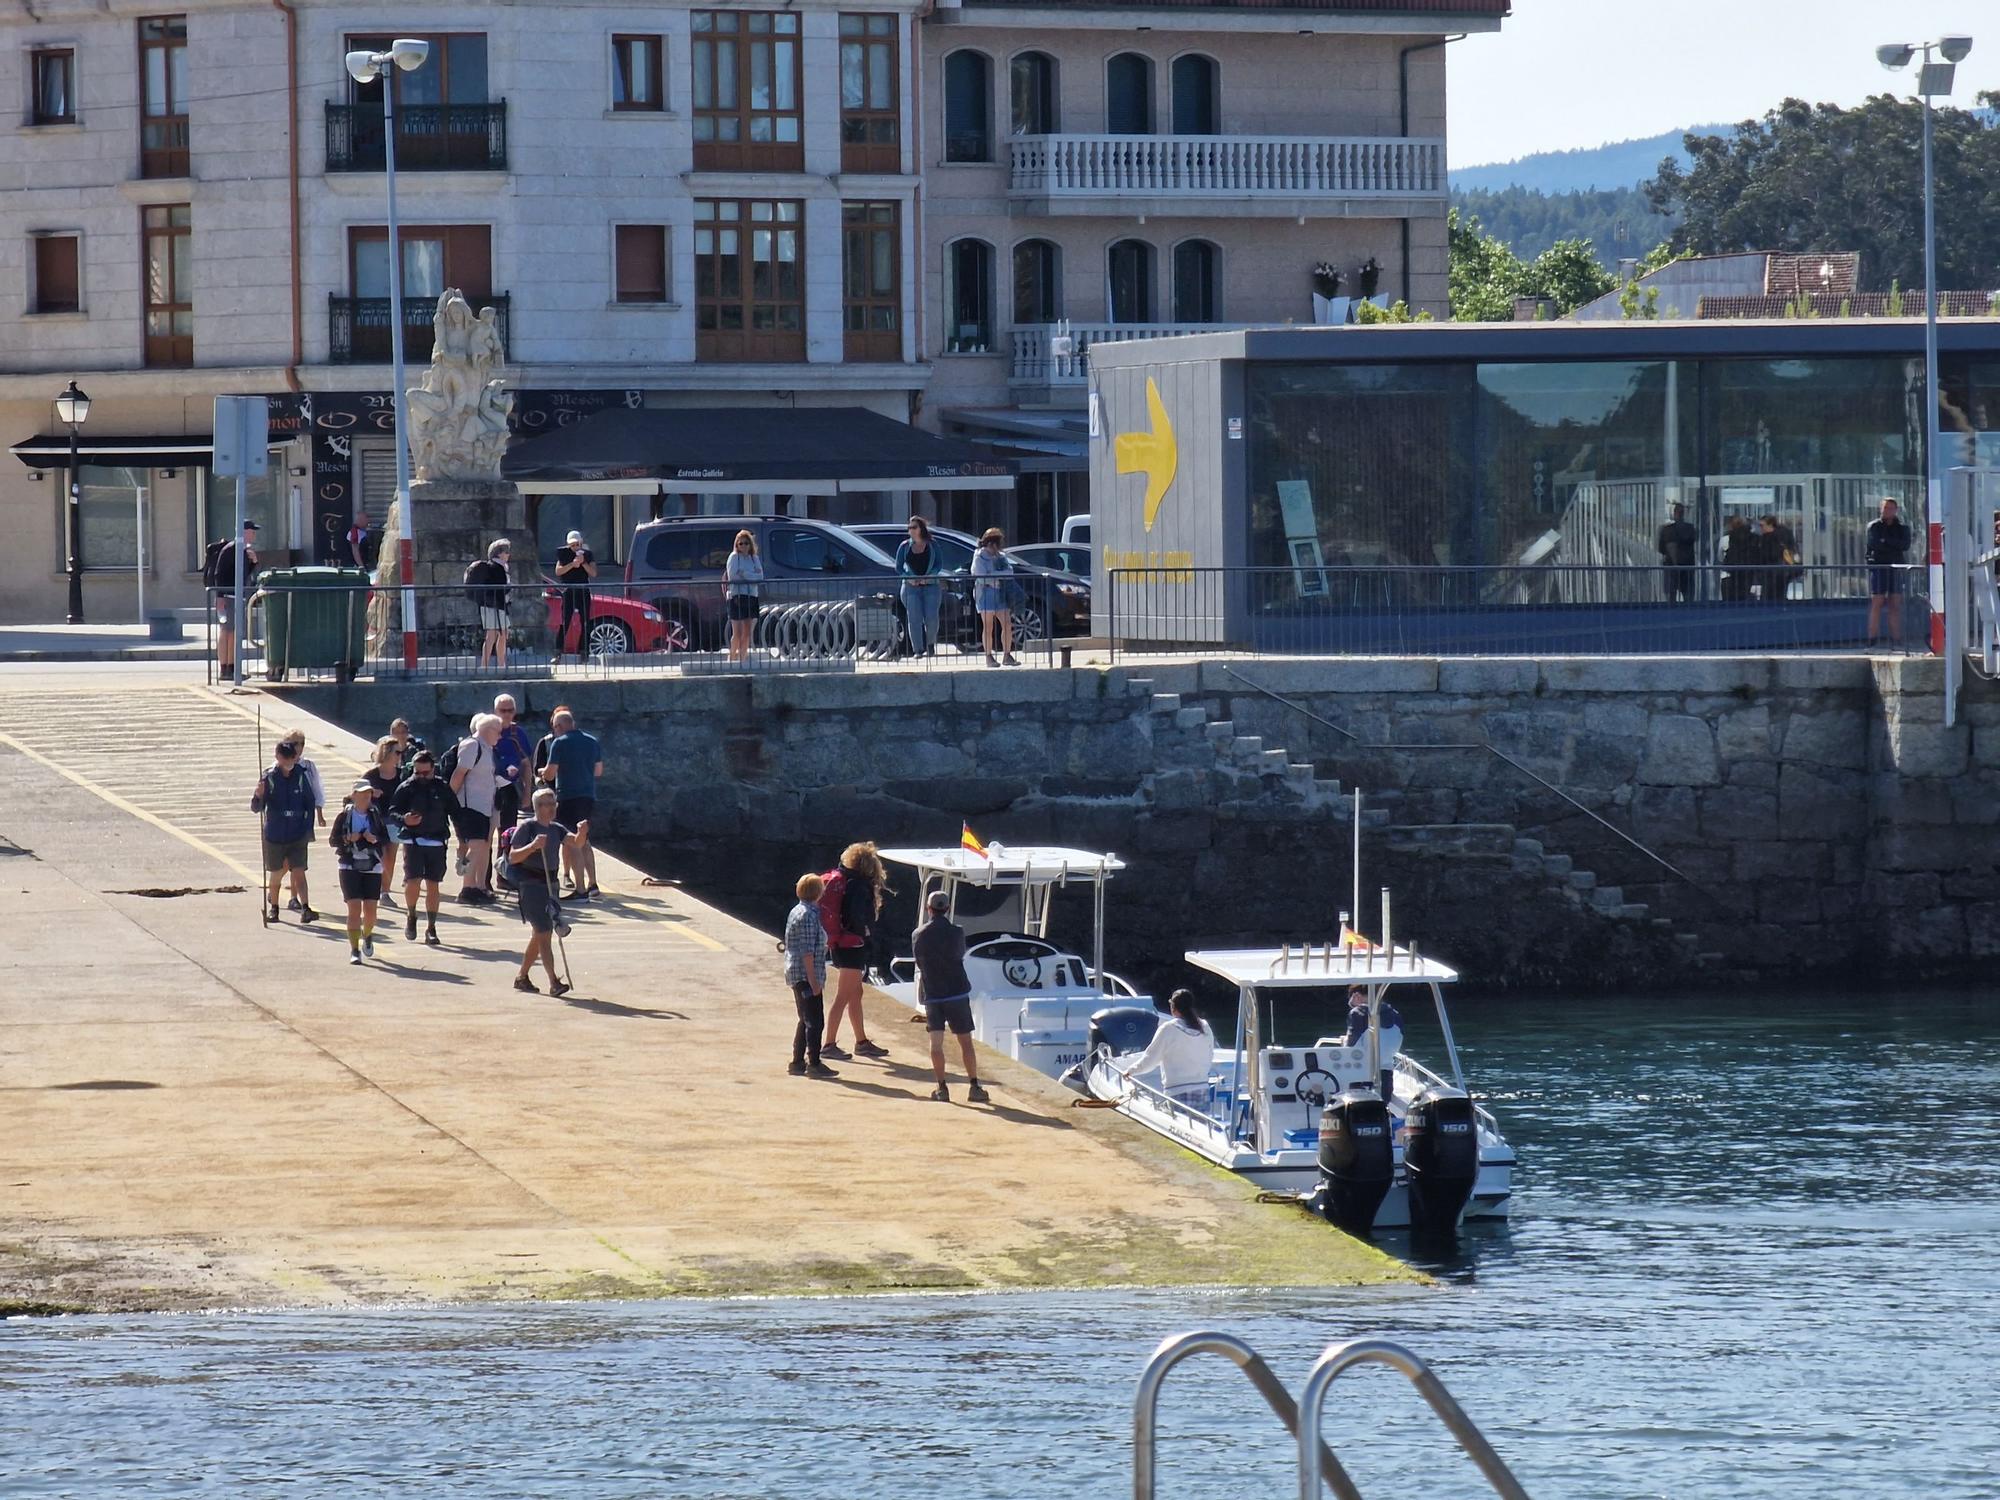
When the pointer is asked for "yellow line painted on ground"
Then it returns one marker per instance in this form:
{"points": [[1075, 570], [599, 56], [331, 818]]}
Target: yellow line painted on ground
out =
{"points": [[134, 809]]}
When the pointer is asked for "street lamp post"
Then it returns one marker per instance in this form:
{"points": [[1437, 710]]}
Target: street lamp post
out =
{"points": [[366, 67], [72, 408]]}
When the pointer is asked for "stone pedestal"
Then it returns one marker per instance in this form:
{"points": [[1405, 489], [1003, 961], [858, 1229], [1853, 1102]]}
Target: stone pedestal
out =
{"points": [[452, 523]]}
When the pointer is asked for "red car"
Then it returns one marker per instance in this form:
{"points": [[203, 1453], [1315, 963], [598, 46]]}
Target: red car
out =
{"points": [[618, 625]]}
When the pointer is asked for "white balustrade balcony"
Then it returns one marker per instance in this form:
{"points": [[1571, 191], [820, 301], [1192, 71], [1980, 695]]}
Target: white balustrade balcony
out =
{"points": [[1259, 175], [1034, 365]]}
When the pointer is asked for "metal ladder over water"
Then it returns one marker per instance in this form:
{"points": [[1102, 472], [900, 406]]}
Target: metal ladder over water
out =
{"points": [[1302, 1420]]}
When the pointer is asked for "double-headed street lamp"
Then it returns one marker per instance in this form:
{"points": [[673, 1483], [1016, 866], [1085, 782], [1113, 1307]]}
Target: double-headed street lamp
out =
{"points": [[72, 409]]}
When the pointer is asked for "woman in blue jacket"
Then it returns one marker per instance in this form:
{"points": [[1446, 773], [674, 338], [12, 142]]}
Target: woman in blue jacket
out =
{"points": [[919, 566]]}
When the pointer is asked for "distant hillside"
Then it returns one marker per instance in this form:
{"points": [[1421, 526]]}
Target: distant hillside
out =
{"points": [[1621, 164], [1617, 222]]}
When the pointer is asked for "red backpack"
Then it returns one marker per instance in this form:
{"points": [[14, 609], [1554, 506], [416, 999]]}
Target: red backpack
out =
{"points": [[837, 935]]}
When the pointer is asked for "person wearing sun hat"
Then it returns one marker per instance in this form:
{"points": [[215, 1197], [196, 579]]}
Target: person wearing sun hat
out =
{"points": [[576, 566], [360, 837]]}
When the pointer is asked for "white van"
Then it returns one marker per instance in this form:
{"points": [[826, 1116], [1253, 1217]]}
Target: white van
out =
{"points": [[1076, 531]]}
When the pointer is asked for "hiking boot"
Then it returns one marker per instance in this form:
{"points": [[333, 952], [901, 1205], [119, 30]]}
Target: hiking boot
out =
{"points": [[410, 928], [307, 914], [991, 661], [797, 1070], [271, 911], [1010, 660], [941, 1094], [525, 985], [560, 987], [975, 1093], [820, 1070], [293, 904], [865, 1049], [836, 1053], [431, 936]]}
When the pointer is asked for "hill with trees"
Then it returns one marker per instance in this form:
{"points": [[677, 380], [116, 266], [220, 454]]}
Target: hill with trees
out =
{"points": [[1617, 164], [1619, 223]]}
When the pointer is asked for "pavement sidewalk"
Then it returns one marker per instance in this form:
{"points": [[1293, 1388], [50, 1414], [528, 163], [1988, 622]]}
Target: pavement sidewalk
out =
{"points": [[198, 1111], [81, 643]]}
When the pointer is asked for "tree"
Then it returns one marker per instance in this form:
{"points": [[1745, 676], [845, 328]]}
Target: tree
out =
{"points": [[1487, 276], [1619, 223], [1811, 178]]}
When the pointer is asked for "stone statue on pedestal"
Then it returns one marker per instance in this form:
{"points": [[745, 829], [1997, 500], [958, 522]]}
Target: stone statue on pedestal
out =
{"points": [[458, 412]]}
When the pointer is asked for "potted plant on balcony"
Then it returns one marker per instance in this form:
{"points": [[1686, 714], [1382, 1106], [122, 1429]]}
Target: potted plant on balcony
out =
{"points": [[1326, 279], [1328, 305], [1369, 277]]}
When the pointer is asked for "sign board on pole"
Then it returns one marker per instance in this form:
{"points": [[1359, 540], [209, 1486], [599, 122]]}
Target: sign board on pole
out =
{"points": [[242, 437]]}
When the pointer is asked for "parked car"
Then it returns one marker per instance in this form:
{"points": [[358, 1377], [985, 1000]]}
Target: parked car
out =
{"points": [[619, 625], [1055, 598], [676, 567], [1061, 557], [1076, 529]]}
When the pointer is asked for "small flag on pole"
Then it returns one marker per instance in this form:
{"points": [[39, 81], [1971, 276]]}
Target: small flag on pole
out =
{"points": [[1353, 941], [969, 841]]}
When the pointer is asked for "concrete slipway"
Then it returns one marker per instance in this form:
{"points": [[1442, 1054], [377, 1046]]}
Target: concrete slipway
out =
{"points": [[198, 1112]]}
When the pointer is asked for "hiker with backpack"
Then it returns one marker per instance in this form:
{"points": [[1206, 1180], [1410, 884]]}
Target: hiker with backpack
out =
{"points": [[486, 586], [533, 849], [360, 840], [218, 575], [473, 777], [423, 805], [850, 906], [284, 800]]}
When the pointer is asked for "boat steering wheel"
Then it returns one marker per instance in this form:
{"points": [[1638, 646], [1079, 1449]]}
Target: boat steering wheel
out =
{"points": [[1023, 973], [1316, 1086]]}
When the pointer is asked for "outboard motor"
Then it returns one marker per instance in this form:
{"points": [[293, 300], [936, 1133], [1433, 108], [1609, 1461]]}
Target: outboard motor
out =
{"points": [[1357, 1159], [1441, 1158], [1124, 1028]]}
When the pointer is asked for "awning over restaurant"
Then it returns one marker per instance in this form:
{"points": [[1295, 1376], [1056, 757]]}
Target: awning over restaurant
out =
{"points": [[731, 450], [118, 452], [1041, 442]]}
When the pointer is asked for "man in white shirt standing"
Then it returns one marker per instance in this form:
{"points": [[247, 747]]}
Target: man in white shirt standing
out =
{"points": [[1182, 1050], [473, 782]]}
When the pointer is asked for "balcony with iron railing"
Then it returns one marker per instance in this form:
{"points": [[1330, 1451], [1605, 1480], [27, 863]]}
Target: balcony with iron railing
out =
{"points": [[1238, 174], [358, 327], [429, 137], [1036, 364]]}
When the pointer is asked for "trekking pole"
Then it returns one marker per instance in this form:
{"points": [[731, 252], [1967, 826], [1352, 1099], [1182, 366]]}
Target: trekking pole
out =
{"points": [[257, 886]]}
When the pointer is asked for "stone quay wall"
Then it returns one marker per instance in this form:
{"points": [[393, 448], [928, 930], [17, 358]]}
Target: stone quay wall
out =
{"points": [[1825, 822]]}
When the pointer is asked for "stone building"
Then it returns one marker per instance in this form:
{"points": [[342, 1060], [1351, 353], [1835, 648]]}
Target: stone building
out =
{"points": [[669, 206]]}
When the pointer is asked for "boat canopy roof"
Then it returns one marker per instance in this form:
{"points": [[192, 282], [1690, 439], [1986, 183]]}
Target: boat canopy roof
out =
{"points": [[1319, 965], [1028, 864]]}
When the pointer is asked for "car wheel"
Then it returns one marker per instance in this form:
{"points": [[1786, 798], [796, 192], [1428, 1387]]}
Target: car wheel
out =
{"points": [[1029, 626], [674, 635], [609, 638]]}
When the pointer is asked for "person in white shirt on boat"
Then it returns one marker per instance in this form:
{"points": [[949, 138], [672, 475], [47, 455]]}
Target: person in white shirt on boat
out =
{"points": [[1183, 1052], [1390, 1020]]}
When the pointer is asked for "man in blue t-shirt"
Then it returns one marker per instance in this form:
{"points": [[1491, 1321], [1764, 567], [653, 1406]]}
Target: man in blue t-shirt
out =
{"points": [[571, 761]]}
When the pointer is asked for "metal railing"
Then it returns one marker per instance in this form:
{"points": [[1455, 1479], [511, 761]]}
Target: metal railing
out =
{"points": [[1232, 166], [357, 328], [1034, 364], [429, 137], [1319, 610], [333, 630]]}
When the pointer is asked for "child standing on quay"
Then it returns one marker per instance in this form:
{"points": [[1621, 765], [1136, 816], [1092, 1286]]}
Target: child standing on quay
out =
{"points": [[805, 972]]}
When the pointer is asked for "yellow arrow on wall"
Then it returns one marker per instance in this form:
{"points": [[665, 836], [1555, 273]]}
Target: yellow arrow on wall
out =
{"points": [[1153, 453]]}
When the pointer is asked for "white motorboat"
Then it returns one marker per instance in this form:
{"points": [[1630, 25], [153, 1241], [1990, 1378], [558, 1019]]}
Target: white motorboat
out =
{"points": [[1031, 999], [1267, 1102]]}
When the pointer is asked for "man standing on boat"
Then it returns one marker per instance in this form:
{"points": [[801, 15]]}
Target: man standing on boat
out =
{"points": [[945, 993], [1183, 1049], [1391, 1022]]}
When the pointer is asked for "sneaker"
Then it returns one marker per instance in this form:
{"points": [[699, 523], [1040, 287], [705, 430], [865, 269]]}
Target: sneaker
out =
{"points": [[941, 1094], [368, 947], [836, 1054], [431, 937], [387, 900], [594, 891], [307, 914], [354, 955], [975, 1093], [560, 987], [991, 661], [578, 894], [865, 1049], [271, 911], [410, 928], [820, 1070], [293, 904], [1010, 660], [797, 1070], [526, 985]]}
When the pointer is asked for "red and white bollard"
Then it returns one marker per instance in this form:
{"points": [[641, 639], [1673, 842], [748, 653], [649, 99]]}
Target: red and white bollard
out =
{"points": [[406, 557], [1937, 588]]}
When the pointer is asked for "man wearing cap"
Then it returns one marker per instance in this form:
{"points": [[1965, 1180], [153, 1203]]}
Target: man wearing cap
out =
{"points": [[360, 837], [536, 858], [945, 993], [284, 799], [486, 586], [223, 576], [425, 807], [576, 566]]}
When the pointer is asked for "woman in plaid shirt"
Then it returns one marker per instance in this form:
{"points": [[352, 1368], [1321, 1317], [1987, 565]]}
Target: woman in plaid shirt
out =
{"points": [[805, 972]]}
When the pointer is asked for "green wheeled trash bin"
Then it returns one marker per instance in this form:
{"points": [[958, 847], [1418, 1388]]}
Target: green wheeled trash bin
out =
{"points": [[314, 617]]}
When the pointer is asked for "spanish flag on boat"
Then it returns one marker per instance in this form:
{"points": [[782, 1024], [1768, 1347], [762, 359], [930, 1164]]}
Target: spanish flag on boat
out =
{"points": [[1354, 941], [969, 841]]}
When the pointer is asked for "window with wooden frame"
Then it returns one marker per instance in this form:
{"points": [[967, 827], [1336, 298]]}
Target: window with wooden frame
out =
{"points": [[169, 269], [163, 87], [872, 281], [746, 93], [445, 117], [638, 73], [435, 257], [871, 116], [640, 251], [750, 289], [58, 273], [52, 86]]}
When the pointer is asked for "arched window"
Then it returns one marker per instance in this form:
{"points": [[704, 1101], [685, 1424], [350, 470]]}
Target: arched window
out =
{"points": [[1128, 275], [968, 297], [1128, 94], [968, 107], [1037, 291], [1032, 87], [1197, 96], [1197, 287]]}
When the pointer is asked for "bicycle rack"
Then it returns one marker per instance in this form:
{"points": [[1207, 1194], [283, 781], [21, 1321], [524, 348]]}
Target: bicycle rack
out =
{"points": [[1317, 1465]]}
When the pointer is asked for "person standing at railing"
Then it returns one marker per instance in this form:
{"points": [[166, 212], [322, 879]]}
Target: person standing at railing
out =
{"points": [[1886, 544], [1182, 1050], [486, 588], [742, 586], [1779, 554], [1676, 547], [918, 565], [1741, 553], [991, 574], [219, 574], [576, 566]]}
